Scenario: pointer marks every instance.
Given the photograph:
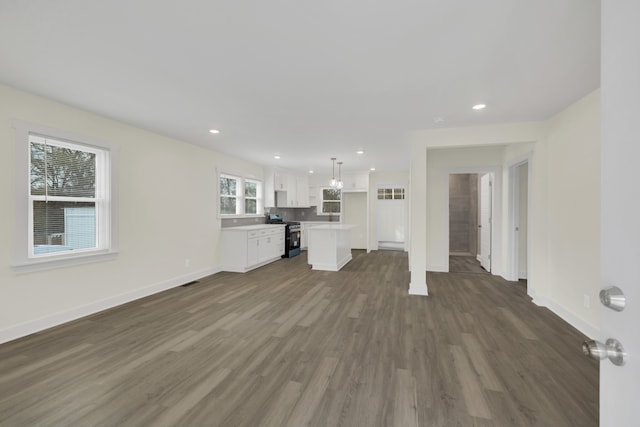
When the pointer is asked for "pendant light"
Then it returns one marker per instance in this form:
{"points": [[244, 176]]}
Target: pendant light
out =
{"points": [[333, 183], [339, 184]]}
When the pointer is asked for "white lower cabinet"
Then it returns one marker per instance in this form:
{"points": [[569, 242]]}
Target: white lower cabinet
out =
{"points": [[249, 247]]}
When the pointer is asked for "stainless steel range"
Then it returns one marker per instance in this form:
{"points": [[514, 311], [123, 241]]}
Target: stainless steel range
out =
{"points": [[291, 234]]}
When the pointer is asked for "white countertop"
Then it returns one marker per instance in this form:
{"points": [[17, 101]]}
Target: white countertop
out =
{"points": [[334, 226], [253, 227]]}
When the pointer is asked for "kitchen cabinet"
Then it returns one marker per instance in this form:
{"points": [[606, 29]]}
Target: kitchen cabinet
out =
{"points": [[330, 246], [355, 182], [248, 247], [295, 193], [304, 231]]}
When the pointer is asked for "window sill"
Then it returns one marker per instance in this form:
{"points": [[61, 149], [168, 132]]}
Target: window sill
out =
{"points": [[34, 265]]}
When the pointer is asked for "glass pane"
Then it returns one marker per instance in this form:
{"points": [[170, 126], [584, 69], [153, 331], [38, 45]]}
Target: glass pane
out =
{"points": [[64, 171], [380, 193], [228, 186], [63, 226], [251, 206], [330, 194], [398, 193], [388, 193], [330, 207], [250, 189], [228, 205]]}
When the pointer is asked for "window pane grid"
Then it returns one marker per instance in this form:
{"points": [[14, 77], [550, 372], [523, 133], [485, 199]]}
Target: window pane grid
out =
{"points": [[331, 201], [391, 193], [65, 194]]}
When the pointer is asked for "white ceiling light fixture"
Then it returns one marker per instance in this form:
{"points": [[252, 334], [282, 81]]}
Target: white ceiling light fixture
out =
{"points": [[479, 106], [277, 157], [372, 169], [339, 185], [360, 151], [311, 171], [214, 131]]}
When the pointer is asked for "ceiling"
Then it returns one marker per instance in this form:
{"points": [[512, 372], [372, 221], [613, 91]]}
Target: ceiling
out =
{"points": [[307, 80]]}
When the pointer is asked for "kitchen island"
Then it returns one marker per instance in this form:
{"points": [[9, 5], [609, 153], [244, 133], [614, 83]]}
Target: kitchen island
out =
{"points": [[329, 246]]}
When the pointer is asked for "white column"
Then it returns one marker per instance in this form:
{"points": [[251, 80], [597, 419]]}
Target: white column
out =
{"points": [[418, 219]]}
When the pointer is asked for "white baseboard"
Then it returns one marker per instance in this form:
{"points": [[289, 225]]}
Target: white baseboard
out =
{"points": [[33, 326], [418, 289], [588, 330], [438, 268]]}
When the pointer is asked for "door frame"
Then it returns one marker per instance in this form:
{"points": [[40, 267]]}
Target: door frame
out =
{"points": [[512, 272], [496, 213]]}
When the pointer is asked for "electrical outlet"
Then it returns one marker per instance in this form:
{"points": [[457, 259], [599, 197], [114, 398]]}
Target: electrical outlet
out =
{"points": [[187, 262], [586, 301]]}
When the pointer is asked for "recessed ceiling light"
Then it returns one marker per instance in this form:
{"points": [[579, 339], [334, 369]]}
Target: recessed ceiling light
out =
{"points": [[310, 171], [372, 169], [214, 131], [478, 106], [360, 152], [277, 157]]}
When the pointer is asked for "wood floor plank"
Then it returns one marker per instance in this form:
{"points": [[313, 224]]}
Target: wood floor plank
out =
{"points": [[405, 404], [281, 409], [305, 408], [174, 413], [284, 344], [471, 388]]}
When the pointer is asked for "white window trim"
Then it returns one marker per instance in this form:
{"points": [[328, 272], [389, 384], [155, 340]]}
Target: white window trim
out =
{"points": [[258, 198], [21, 260], [240, 197], [319, 212]]}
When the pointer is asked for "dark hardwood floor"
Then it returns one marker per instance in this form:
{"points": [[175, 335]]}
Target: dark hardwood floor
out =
{"points": [[287, 346], [465, 264]]}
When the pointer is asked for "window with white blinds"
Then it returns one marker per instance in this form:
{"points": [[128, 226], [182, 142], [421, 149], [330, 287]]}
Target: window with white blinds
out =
{"points": [[68, 198]]}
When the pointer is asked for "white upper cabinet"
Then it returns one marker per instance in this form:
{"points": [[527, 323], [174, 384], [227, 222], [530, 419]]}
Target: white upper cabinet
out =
{"points": [[355, 182], [285, 189]]}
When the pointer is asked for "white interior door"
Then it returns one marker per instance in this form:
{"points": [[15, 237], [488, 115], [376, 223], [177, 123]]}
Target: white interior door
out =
{"points": [[620, 207], [485, 220]]}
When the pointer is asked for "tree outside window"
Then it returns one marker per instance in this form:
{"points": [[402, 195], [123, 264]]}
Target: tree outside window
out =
{"points": [[240, 196], [229, 195], [63, 196], [331, 201]]}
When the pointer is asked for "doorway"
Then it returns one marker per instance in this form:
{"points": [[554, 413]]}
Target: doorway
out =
{"points": [[519, 219], [470, 205], [391, 212]]}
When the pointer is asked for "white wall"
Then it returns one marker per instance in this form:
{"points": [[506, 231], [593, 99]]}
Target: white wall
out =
{"points": [[567, 227], [440, 163], [523, 192], [564, 222], [354, 207], [167, 213]]}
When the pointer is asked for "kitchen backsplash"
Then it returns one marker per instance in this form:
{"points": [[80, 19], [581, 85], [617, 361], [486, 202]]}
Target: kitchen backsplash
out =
{"points": [[289, 214]]}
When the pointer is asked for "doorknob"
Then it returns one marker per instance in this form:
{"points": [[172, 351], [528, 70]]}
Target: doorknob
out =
{"points": [[611, 350], [613, 297]]}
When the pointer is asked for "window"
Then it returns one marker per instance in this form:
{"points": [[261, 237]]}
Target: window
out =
{"points": [[252, 200], [229, 186], [331, 201], [67, 197], [239, 196], [390, 193]]}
